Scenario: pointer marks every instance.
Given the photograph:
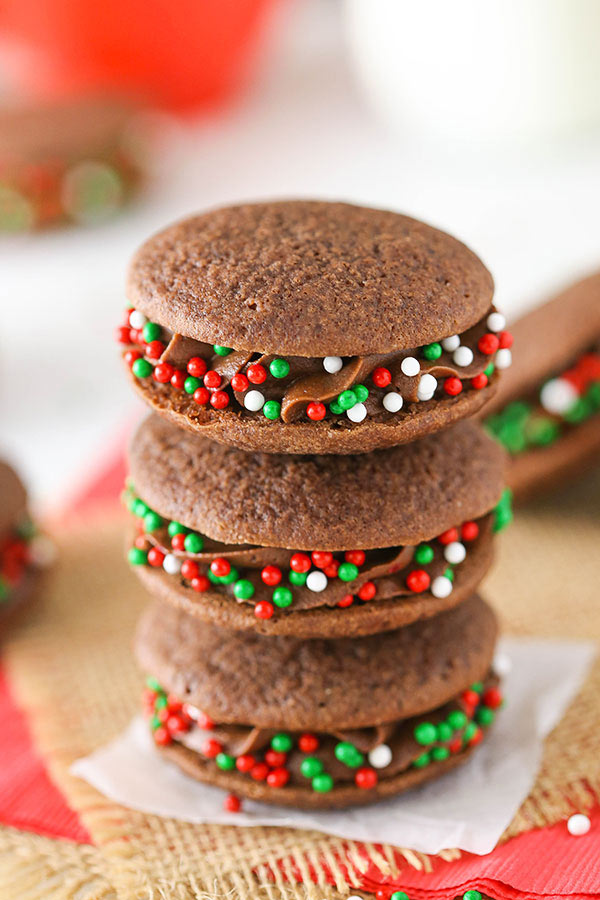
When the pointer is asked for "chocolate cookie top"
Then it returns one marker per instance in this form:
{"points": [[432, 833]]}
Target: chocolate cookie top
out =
{"points": [[14, 498], [319, 684], [309, 278], [398, 496]]}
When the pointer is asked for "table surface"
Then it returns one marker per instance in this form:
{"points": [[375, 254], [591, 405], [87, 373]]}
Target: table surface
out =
{"points": [[301, 129]]}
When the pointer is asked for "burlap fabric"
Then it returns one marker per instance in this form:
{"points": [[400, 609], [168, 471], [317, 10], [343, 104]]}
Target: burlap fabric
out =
{"points": [[71, 667]]}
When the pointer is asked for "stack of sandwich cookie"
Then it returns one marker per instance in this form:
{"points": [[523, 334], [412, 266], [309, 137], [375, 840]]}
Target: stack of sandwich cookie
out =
{"points": [[307, 508]]}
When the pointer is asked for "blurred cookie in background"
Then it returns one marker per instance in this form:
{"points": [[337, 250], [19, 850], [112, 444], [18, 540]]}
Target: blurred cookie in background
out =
{"points": [[546, 412], [77, 161], [24, 552]]}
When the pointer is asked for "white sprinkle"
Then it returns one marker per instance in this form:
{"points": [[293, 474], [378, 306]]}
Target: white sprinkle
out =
{"points": [[441, 586], [496, 321], [410, 366], [42, 551], [451, 343], [254, 401], [454, 552], [558, 396], [137, 319], [427, 386], [578, 824], [357, 413], [380, 756], [503, 358], [171, 564], [502, 664], [333, 364], [463, 356], [316, 581], [392, 401]]}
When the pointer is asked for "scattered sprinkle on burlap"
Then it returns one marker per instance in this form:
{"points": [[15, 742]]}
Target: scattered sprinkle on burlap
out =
{"points": [[71, 667]]}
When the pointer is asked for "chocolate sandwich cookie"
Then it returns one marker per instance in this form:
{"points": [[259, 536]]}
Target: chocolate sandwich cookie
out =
{"points": [[72, 161], [312, 545], [322, 723], [304, 326], [547, 410], [23, 552]]}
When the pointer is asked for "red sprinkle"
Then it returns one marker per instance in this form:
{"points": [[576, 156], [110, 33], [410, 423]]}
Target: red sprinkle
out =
{"points": [[470, 698], [355, 556], [367, 590], [492, 698], [488, 343], [178, 379], [332, 569], [469, 531], [163, 373], [418, 581], [256, 373], [347, 600], [190, 569], [211, 748], [505, 340], [197, 367], [178, 542], [448, 537], [308, 742], [155, 557], [177, 724], [155, 349], [321, 558], [263, 609], [131, 356], [316, 411], [162, 736], [200, 584], [212, 379], [271, 575], [220, 567], [259, 771], [300, 562], [455, 745], [479, 381], [245, 762], [366, 778], [239, 383], [453, 386], [204, 721], [231, 803], [275, 759], [122, 334], [201, 396], [381, 377], [278, 778], [476, 738], [220, 399]]}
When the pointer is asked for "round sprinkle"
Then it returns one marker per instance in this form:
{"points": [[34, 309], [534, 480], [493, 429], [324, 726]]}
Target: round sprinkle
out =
{"points": [[171, 564], [380, 756], [454, 553], [282, 597], [425, 733], [297, 578], [193, 543], [471, 895], [488, 344], [141, 368], [427, 386], [263, 609], [496, 322], [191, 384], [463, 356], [347, 399], [221, 351], [225, 761], [578, 824], [137, 557], [152, 521], [271, 409], [399, 895], [316, 581], [137, 319], [311, 766], [316, 411], [424, 554], [410, 366], [503, 359], [450, 344], [254, 401], [392, 401], [432, 351], [348, 754], [441, 586], [558, 396], [361, 391], [335, 408], [243, 589], [357, 413], [457, 719], [281, 742], [322, 783], [381, 377], [279, 368], [333, 364], [151, 332], [347, 571]]}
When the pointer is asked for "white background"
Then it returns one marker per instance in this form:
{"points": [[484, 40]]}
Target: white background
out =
{"points": [[302, 128]]}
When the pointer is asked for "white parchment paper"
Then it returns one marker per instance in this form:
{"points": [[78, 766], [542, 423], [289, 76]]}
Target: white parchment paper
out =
{"points": [[468, 808]]}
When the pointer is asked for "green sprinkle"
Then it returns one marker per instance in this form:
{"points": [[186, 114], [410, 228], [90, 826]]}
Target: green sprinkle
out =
{"points": [[593, 395], [457, 719], [161, 702], [155, 723], [311, 766], [243, 589], [477, 686], [225, 761], [348, 754], [469, 732], [140, 509], [440, 753], [322, 783], [298, 578], [579, 412], [449, 573], [485, 716], [421, 761], [153, 684], [272, 409], [282, 742], [335, 408], [176, 528], [489, 370], [193, 543], [152, 521], [432, 351], [212, 577], [347, 571], [282, 597], [279, 368], [361, 392], [191, 384], [423, 554], [230, 577], [425, 733], [399, 895], [444, 732], [472, 895], [541, 431], [221, 351], [151, 332], [503, 512], [141, 368], [347, 399], [137, 557]]}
